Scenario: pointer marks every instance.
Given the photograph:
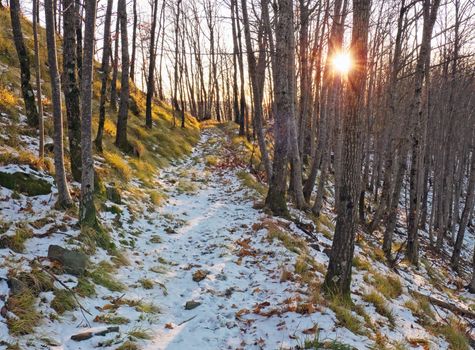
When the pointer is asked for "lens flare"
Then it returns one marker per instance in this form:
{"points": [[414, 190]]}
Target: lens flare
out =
{"points": [[342, 63]]}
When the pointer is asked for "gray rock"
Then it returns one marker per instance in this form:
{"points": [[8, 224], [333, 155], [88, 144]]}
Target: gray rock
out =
{"points": [[113, 194], [190, 305], [26, 183], [16, 286], [73, 262]]}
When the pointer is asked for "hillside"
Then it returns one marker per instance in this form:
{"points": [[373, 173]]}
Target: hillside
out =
{"points": [[189, 258]]}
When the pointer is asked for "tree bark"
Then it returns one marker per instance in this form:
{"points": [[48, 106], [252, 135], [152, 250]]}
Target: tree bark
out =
{"points": [[64, 198], [338, 277], [106, 53], [36, 11], [87, 209], [71, 88], [26, 89], [121, 136], [151, 69]]}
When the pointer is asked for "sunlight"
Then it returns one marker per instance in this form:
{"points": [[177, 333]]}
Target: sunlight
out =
{"points": [[342, 62]]}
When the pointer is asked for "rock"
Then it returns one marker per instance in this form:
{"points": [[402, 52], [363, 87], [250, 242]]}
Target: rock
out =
{"points": [[190, 305], [82, 336], [170, 230], [199, 275], [26, 183], [16, 286], [73, 262], [113, 194]]}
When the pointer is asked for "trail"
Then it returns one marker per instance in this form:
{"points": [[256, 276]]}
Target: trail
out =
{"points": [[205, 226]]}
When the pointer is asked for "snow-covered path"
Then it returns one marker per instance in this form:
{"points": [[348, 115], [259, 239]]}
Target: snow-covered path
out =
{"points": [[206, 229]]}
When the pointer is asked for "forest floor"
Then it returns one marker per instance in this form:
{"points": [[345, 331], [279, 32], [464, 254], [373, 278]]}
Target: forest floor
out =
{"points": [[207, 270]]}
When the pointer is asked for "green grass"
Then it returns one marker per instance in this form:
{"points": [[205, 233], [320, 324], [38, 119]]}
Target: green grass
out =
{"points": [[380, 305], [23, 305], [63, 301], [389, 286], [85, 288], [16, 242], [103, 275], [454, 334], [343, 313], [250, 181]]}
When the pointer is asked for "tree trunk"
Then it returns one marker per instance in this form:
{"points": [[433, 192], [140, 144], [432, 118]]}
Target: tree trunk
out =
{"points": [[26, 89], [106, 53], [121, 136], [467, 210], [134, 41], [87, 210], [36, 11], [71, 88], [338, 277], [151, 69], [257, 93], [115, 68], [64, 198], [430, 15]]}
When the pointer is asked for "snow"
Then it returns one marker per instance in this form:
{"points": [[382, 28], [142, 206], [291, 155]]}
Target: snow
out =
{"points": [[243, 300]]}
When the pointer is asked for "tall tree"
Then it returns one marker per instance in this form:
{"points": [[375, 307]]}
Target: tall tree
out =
{"points": [[256, 76], [64, 197], [151, 67], [283, 68], [87, 209], [115, 63], [430, 9], [338, 276], [71, 87], [106, 53], [134, 40], [26, 89], [121, 135], [39, 101]]}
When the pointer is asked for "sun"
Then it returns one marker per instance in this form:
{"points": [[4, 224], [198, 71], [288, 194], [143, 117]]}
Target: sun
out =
{"points": [[342, 62]]}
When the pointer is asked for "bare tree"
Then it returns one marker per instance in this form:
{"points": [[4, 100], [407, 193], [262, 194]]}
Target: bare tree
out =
{"points": [[71, 87], [26, 89], [64, 197], [338, 277], [36, 13], [121, 136], [106, 53]]}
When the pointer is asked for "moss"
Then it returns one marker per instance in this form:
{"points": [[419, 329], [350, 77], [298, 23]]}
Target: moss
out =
{"points": [[85, 288], [27, 317], [63, 301], [25, 183]]}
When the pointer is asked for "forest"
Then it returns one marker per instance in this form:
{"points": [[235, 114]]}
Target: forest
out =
{"points": [[237, 174]]}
